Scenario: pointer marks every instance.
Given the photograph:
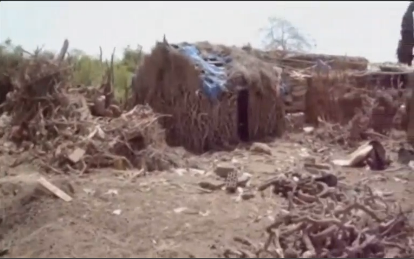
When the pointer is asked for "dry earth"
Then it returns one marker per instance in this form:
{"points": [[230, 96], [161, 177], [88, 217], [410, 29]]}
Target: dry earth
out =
{"points": [[165, 214]]}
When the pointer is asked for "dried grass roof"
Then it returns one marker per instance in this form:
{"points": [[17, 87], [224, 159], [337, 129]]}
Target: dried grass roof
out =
{"points": [[292, 59], [245, 70]]}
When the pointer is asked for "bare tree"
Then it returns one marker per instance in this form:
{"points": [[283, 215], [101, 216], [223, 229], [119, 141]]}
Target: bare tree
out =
{"points": [[282, 34]]}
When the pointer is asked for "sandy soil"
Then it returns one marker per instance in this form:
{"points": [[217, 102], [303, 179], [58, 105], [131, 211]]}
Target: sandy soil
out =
{"points": [[166, 214]]}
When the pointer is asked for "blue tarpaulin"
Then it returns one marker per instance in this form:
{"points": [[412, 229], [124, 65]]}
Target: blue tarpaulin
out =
{"points": [[284, 88], [214, 75]]}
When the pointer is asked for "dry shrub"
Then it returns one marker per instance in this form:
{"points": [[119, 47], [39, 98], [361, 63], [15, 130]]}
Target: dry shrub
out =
{"points": [[57, 120], [32, 81], [170, 83]]}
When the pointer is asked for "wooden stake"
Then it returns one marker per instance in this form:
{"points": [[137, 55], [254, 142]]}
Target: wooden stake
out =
{"points": [[54, 189]]}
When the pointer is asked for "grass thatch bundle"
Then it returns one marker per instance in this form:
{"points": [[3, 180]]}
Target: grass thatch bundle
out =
{"points": [[170, 83]]}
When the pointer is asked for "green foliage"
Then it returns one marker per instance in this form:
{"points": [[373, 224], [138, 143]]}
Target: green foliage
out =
{"points": [[122, 80], [132, 58], [87, 70], [10, 56]]}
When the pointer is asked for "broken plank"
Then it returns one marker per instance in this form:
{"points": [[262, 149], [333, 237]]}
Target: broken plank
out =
{"points": [[54, 189]]}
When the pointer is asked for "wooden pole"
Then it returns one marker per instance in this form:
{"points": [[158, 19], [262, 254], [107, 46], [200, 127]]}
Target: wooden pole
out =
{"points": [[410, 109], [311, 105], [410, 115]]}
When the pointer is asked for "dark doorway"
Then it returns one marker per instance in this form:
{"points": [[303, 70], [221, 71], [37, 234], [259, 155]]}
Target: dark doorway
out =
{"points": [[243, 115]]}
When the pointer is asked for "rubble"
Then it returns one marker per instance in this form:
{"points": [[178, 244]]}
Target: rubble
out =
{"points": [[243, 180], [75, 129], [224, 168], [371, 153]]}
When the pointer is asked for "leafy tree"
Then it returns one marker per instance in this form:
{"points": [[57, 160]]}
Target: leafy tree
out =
{"points": [[87, 70], [132, 58]]}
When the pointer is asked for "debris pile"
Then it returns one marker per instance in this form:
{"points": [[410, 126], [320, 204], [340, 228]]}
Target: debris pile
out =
{"points": [[371, 153], [342, 110], [327, 219], [77, 128], [375, 118]]}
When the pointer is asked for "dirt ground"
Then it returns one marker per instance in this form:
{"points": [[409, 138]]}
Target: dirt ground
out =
{"points": [[165, 214]]}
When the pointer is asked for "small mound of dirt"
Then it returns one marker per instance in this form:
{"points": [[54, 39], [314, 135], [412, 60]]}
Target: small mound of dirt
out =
{"points": [[20, 196]]}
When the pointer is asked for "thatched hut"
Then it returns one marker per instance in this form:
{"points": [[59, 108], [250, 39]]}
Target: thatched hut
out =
{"points": [[215, 96]]}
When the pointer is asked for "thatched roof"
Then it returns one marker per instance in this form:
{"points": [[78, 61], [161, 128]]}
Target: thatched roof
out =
{"points": [[235, 67], [298, 60], [334, 61]]}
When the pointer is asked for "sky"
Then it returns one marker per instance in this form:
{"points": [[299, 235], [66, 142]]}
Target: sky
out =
{"points": [[368, 29]]}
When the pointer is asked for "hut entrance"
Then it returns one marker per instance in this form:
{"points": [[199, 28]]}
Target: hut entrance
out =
{"points": [[243, 114]]}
